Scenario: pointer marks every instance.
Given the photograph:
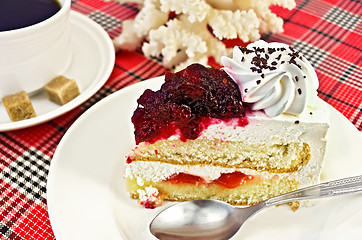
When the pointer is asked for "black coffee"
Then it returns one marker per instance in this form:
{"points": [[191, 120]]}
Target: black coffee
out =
{"points": [[16, 14]]}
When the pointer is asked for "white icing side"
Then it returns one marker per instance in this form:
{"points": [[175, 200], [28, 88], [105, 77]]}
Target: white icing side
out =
{"points": [[272, 77], [309, 128]]}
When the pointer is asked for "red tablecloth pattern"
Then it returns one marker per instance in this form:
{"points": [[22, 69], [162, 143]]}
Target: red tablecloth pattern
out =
{"points": [[327, 32]]}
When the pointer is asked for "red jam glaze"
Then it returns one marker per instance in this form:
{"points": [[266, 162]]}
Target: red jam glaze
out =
{"points": [[233, 180], [242, 122], [227, 180], [129, 160], [184, 100], [185, 178], [149, 205]]}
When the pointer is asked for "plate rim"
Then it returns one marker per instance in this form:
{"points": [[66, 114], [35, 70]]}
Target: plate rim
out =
{"points": [[108, 52]]}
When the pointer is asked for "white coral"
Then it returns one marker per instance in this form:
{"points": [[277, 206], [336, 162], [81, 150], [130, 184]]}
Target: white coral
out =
{"points": [[149, 17], [269, 21], [186, 38], [175, 42], [135, 31], [196, 10], [232, 24]]}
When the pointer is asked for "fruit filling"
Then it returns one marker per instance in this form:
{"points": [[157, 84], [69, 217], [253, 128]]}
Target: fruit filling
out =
{"points": [[227, 180]]}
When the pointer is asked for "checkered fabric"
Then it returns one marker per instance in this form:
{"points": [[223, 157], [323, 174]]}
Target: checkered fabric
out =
{"points": [[327, 32]]}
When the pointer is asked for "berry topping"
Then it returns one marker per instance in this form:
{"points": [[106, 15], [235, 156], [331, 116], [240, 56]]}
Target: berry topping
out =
{"points": [[227, 180], [184, 100]]}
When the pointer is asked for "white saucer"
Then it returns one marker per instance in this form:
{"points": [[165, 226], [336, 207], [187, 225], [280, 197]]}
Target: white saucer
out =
{"points": [[92, 63]]}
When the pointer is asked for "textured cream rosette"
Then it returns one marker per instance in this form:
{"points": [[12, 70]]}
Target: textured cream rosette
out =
{"points": [[272, 77]]}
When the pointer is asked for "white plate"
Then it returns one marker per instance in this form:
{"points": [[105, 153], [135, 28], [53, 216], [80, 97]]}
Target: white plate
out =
{"points": [[92, 63], [86, 191]]}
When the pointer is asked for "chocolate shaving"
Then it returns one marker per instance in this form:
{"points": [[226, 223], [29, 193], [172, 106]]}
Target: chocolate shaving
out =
{"points": [[264, 62], [292, 61], [255, 69], [245, 50], [259, 49], [271, 50]]}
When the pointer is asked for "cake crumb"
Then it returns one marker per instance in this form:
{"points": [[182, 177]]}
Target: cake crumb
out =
{"points": [[62, 90], [18, 106], [140, 182], [294, 205], [149, 197]]}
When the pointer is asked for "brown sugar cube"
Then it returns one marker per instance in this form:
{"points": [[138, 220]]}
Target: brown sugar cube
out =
{"points": [[18, 106], [61, 90]]}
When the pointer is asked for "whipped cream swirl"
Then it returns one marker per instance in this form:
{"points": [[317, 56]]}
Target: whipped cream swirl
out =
{"points": [[272, 77]]}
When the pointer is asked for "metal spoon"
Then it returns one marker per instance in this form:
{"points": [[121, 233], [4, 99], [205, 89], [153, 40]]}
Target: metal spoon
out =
{"points": [[216, 220]]}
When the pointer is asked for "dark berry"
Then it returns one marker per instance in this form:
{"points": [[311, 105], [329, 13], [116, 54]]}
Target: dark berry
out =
{"points": [[184, 100]]}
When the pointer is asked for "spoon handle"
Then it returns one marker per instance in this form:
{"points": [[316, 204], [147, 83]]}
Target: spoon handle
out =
{"points": [[327, 189]]}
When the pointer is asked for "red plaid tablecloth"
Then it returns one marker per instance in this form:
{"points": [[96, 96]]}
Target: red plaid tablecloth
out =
{"points": [[327, 32]]}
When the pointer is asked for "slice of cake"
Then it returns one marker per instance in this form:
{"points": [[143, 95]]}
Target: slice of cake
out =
{"points": [[253, 130]]}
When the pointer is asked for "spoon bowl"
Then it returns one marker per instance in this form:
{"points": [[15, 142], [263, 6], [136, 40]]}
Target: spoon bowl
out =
{"points": [[216, 220]]}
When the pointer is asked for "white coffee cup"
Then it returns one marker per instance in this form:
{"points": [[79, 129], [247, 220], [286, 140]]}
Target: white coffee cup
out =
{"points": [[32, 56]]}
